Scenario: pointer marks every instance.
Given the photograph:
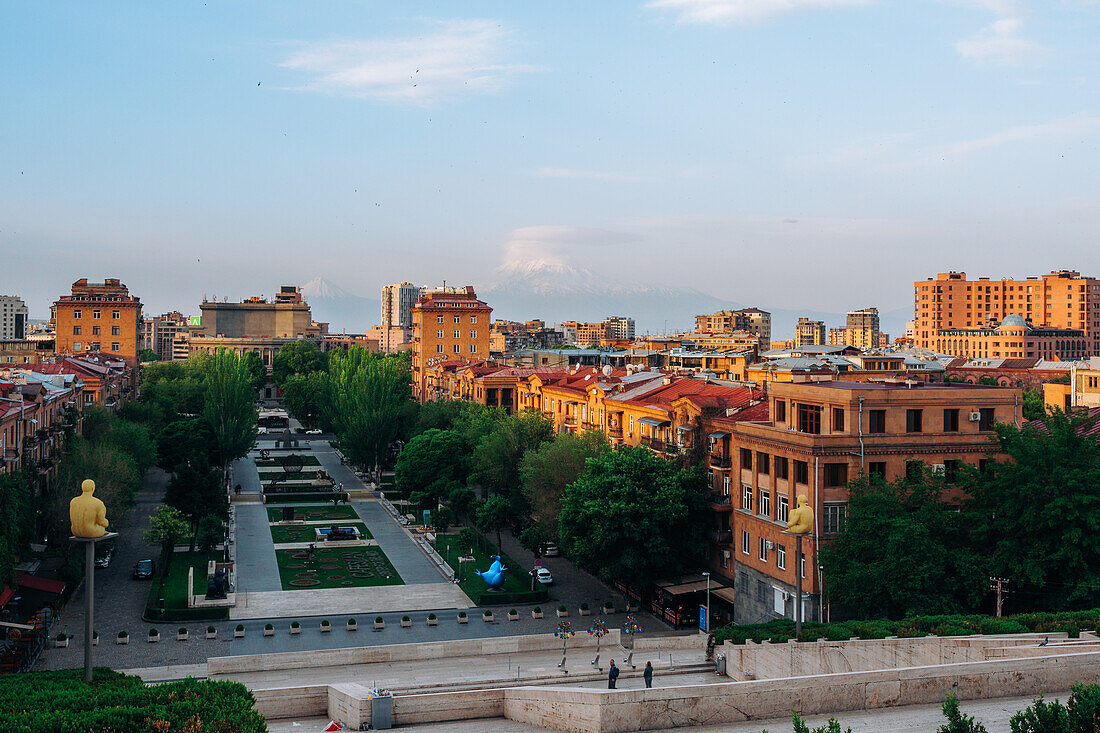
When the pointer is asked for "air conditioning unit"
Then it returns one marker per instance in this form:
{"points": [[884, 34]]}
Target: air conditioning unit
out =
{"points": [[939, 469], [786, 596], [769, 544], [726, 554], [975, 416]]}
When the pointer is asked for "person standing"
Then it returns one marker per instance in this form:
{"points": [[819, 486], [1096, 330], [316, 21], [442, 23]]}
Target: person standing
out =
{"points": [[647, 674], [612, 675]]}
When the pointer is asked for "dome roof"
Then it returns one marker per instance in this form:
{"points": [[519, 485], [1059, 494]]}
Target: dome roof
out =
{"points": [[1013, 321]]}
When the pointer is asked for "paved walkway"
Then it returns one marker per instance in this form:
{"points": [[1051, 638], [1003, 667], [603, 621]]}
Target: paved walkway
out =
{"points": [[372, 600], [257, 571]]}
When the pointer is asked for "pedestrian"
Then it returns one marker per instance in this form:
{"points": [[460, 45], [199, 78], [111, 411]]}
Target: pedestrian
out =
{"points": [[647, 675], [309, 553], [237, 489], [612, 675]]}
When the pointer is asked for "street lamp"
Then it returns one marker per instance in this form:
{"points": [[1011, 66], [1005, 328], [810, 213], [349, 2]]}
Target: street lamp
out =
{"points": [[707, 576]]}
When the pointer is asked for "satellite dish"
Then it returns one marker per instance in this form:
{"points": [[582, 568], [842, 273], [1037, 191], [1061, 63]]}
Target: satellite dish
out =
{"points": [[607, 370]]}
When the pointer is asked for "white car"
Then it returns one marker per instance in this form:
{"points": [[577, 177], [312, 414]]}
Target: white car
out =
{"points": [[313, 431], [543, 576], [550, 550]]}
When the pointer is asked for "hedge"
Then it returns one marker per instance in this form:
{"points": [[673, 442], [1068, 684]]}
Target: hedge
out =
{"points": [[61, 702], [301, 497], [780, 630], [490, 598], [213, 613]]}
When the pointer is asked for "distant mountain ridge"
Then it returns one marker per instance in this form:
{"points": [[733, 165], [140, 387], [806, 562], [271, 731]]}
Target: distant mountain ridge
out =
{"points": [[343, 311]]}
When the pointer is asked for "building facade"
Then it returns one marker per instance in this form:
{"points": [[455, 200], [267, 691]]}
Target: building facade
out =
{"points": [[98, 317], [1062, 299], [13, 317], [448, 323], [618, 327], [397, 304], [753, 320], [862, 328], [287, 317], [809, 333], [1013, 338]]}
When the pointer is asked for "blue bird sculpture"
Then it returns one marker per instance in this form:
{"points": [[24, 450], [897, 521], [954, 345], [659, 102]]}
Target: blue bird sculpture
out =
{"points": [[494, 576]]}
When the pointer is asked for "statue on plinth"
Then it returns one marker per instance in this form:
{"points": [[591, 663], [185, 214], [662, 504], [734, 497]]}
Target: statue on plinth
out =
{"points": [[87, 514], [801, 518]]}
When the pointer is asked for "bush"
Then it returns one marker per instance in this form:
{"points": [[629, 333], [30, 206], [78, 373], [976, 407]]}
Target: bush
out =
{"points": [[61, 637], [957, 721], [538, 609], [325, 622], [181, 630], [154, 632], [584, 606], [1001, 626], [351, 622], [403, 618], [561, 608], [462, 614], [1041, 717], [210, 629], [240, 627], [431, 617], [1084, 709], [269, 627], [512, 612], [831, 727], [295, 625], [122, 634]]}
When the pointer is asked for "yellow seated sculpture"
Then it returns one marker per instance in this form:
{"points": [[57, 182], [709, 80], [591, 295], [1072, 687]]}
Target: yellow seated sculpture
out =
{"points": [[87, 514], [801, 518]]}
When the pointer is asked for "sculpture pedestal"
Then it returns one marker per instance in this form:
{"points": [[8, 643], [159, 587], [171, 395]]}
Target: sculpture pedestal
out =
{"points": [[89, 591]]}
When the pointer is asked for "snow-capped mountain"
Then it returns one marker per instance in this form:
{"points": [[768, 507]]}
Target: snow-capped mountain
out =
{"points": [[343, 311]]}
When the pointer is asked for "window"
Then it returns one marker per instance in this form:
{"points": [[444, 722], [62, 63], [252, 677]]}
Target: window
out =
{"points": [[801, 472], [761, 590], [95, 330], [115, 315], [458, 319], [458, 348], [746, 497], [763, 463], [76, 330], [439, 319], [473, 319], [780, 409], [782, 513], [781, 467], [439, 334], [838, 420], [763, 548], [951, 470], [951, 421], [877, 468], [836, 474], [473, 334], [114, 330], [986, 421], [458, 334], [746, 458], [781, 557], [95, 315], [725, 484], [114, 346], [723, 559], [76, 346], [439, 348], [76, 314], [914, 421], [746, 542], [473, 348], [834, 518], [765, 504], [876, 421], [809, 419], [802, 566]]}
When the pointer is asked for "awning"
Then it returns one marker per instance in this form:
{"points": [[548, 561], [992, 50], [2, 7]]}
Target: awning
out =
{"points": [[26, 580], [653, 422], [683, 429], [685, 588], [718, 435], [6, 595], [726, 594]]}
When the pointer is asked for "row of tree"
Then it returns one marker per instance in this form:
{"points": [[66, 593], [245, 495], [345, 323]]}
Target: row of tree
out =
{"points": [[922, 545]]}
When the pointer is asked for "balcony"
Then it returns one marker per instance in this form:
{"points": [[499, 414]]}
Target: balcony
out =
{"points": [[720, 461], [653, 443], [723, 536], [720, 502], [615, 431]]}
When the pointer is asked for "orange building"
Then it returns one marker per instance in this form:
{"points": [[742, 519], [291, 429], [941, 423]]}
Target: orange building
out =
{"points": [[448, 324], [98, 317], [1061, 300], [1014, 338], [736, 341], [818, 436]]}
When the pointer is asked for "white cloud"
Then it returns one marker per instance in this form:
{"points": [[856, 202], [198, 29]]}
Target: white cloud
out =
{"points": [[556, 244], [1054, 130], [591, 175], [453, 58], [726, 12], [998, 43]]}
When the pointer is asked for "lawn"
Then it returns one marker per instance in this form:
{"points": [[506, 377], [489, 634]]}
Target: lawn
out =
{"points": [[268, 474], [299, 533], [350, 567], [274, 463], [314, 512], [516, 578], [173, 589]]}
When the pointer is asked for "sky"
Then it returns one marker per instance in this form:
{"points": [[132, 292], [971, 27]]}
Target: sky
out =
{"points": [[786, 153]]}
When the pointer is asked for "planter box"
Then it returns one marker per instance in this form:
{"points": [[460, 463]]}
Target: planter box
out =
{"points": [[352, 627], [326, 628], [562, 614], [433, 622], [406, 624], [122, 639], [295, 630], [95, 641], [513, 617], [153, 639], [181, 637], [631, 607], [584, 611], [464, 619], [607, 610], [536, 614], [212, 634], [61, 644], [238, 633], [269, 632], [487, 618], [379, 625]]}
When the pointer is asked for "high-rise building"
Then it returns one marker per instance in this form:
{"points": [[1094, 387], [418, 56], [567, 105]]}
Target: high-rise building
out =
{"points": [[13, 317], [809, 333], [863, 328], [619, 327], [753, 320], [448, 323], [1062, 300], [159, 333], [397, 304], [838, 337], [98, 317]]}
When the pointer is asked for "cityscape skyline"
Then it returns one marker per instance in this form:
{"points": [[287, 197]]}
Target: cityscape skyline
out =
{"points": [[683, 143]]}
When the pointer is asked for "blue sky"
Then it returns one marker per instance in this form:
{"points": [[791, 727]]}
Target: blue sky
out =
{"points": [[786, 153]]}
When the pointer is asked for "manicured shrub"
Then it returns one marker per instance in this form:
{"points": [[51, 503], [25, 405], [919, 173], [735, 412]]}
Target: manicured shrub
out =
{"points": [[1041, 717], [1084, 709], [957, 721], [538, 609], [403, 618], [431, 617], [240, 627], [462, 614], [295, 625], [269, 627], [210, 629]]}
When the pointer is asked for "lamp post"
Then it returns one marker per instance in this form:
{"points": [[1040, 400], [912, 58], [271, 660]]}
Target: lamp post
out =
{"points": [[707, 576]]}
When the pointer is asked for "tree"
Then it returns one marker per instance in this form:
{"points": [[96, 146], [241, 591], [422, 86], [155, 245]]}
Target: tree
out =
{"points": [[97, 423], [442, 518], [196, 491], [1035, 407], [257, 372], [493, 515], [17, 529], [432, 466], [167, 527], [634, 517], [134, 440], [116, 480], [228, 410], [438, 415], [546, 471], [182, 441], [298, 358], [497, 455], [147, 355], [306, 396], [903, 550], [368, 394], [1037, 511], [211, 531]]}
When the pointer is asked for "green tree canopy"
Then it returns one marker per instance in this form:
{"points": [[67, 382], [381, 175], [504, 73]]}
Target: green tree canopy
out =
{"points": [[492, 515], [307, 397], [1035, 407], [257, 372], [196, 491], [368, 397], [546, 471], [432, 466], [903, 550], [184, 440], [229, 410], [167, 528], [497, 455], [634, 517], [300, 357]]}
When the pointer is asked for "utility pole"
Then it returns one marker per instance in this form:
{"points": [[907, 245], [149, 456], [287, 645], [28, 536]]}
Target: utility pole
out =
{"points": [[997, 584]]}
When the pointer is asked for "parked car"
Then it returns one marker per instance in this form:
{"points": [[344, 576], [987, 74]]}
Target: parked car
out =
{"points": [[143, 569], [543, 576], [550, 550], [313, 431], [104, 560]]}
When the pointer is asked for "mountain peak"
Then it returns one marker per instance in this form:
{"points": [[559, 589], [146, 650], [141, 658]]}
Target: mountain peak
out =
{"points": [[319, 287]]}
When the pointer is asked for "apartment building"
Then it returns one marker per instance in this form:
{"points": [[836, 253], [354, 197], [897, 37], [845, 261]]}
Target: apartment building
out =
{"points": [[817, 436], [13, 318], [862, 328], [753, 320], [449, 323], [837, 337], [809, 332], [1062, 300], [159, 332], [1082, 391], [98, 317]]}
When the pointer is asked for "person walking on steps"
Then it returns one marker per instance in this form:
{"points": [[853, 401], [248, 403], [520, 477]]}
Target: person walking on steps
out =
{"points": [[612, 675], [647, 674]]}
